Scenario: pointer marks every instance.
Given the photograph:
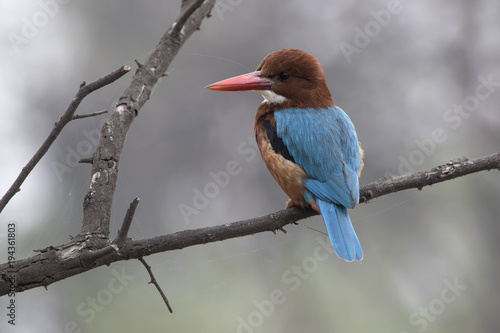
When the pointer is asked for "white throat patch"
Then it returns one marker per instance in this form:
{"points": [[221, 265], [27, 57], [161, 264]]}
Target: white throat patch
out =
{"points": [[271, 97]]}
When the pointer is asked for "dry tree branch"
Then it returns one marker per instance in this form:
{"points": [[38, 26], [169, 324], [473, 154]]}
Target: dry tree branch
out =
{"points": [[98, 201], [57, 263], [458, 167], [92, 244], [83, 91]]}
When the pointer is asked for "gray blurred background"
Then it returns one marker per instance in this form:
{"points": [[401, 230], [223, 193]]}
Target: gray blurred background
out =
{"points": [[412, 81]]}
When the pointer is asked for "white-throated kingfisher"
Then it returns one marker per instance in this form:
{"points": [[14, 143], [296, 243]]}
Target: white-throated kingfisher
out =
{"points": [[308, 144]]}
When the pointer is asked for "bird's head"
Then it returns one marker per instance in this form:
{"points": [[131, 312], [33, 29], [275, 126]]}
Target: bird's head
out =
{"points": [[287, 78]]}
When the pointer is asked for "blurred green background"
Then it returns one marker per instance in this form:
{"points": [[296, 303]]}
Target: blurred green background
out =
{"points": [[430, 260]]}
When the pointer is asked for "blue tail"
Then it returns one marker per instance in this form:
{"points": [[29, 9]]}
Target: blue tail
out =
{"points": [[342, 235]]}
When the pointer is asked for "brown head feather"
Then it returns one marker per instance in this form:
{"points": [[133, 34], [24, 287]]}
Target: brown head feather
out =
{"points": [[305, 85]]}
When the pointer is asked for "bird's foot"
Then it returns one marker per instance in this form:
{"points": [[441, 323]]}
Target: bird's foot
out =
{"points": [[292, 203]]}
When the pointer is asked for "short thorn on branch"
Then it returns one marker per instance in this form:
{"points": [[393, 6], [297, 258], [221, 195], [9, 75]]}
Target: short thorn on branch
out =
{"points": [[282, 230], [88, 160], [81, 116], [127, 221]]}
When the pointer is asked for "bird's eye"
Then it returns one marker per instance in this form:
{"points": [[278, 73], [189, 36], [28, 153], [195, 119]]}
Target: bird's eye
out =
{"points": [[284, 76]]}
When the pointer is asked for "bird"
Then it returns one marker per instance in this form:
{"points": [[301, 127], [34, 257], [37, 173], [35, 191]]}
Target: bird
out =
{"points": [[309, 144]]}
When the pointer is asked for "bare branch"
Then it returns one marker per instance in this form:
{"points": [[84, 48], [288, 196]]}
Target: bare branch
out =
{"points": [[457, 167], [81, 116], [57, 263], [98, 201], [277, 220], [153, 281], [127, 221], [83, 91], [179, 23], [92, 246]]}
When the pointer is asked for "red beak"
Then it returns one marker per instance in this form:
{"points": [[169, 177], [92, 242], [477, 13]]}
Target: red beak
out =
{"points": [[249, 81]]}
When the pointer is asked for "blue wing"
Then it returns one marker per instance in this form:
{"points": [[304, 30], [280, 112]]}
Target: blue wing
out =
{"points": [[324, 143]]}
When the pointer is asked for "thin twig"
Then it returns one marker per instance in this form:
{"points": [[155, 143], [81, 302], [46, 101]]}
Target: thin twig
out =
{"points": [[153, 281], [127, 221], [81, 116], [179, 23], [83, 91]]}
